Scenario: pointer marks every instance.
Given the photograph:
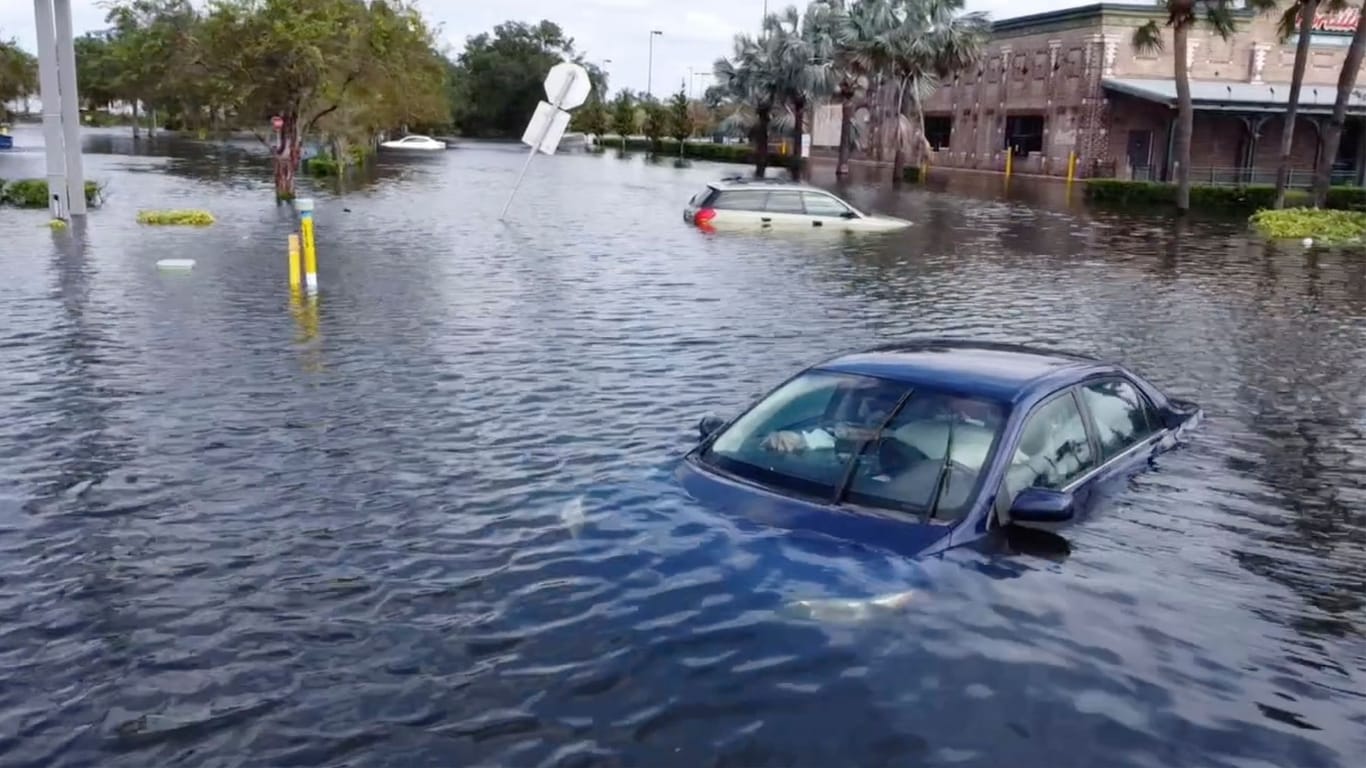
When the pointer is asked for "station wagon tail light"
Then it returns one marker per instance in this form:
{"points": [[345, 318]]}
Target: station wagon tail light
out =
{"points": [[704, 216]]}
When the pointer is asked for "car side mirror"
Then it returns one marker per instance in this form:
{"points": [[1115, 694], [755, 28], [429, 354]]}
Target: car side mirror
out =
{"points": [[708, 425], [1041, 505]]}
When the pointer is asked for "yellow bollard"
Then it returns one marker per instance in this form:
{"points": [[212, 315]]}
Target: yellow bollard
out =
{"points": [[305, 207], [1071, 166], [295, 273], [1010, 156]]}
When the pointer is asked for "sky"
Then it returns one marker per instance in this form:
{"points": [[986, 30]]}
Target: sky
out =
{"points": [[695, 32]]}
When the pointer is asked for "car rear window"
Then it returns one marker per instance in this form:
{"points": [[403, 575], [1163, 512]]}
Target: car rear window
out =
{"points": [[700, 199], [740, 200]]}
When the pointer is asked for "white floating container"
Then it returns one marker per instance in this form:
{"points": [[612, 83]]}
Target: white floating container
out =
{"points": [[176, 264]]}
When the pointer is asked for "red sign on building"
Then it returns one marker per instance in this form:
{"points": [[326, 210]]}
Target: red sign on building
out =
{"points": [[1344, 20]]}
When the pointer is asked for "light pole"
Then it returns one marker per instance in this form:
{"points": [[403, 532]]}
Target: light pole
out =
{"points": [[650, 68]]}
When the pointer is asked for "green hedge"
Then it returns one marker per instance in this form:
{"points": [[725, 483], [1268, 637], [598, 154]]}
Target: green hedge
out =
{"points": [[322, 166], [1297, 223], [32, 193], [1246, 198], [721, 153]]}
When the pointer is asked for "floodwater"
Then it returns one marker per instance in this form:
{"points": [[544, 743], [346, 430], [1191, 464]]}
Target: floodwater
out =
{"points": [[431, 520]]}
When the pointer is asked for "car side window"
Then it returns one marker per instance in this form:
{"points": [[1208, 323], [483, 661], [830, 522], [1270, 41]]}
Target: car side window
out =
{"points": [[1053, 449], [818, 204], [1120, 413], [784, 202], [740, 200]]}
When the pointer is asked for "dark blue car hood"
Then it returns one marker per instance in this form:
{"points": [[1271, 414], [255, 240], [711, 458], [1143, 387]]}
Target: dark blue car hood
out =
{"points": [[890, 531]]}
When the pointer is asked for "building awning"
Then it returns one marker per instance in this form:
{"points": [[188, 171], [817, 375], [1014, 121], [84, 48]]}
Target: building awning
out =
{"points": [[1227, 96]]}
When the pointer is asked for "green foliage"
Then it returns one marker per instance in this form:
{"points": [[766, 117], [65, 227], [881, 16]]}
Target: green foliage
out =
{"points": [[624, 115], [96, 70], [1299, 223], [186, 218], [699, 150], [591, 118], [498, 79], [1246, 198], [656, 123], [18, 73], [32, 193], [322, 166], [911, 173], [680, 116]]}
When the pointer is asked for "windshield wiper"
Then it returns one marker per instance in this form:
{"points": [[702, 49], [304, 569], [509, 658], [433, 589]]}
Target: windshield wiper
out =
{"points": [[943, 478], [848, 478]]}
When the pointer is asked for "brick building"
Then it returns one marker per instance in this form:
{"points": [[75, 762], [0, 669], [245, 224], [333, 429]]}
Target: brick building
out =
{"points": [[1072, 81]]}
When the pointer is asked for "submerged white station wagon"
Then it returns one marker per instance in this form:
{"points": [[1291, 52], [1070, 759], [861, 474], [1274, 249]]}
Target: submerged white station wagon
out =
{"points": [[737, 203]]}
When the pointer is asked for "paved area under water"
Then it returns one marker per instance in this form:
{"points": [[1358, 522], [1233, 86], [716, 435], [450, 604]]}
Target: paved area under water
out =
{"points": [[238, 532]]}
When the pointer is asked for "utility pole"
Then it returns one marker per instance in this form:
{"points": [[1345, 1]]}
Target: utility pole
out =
{"points": [[61, 108], [650, 68]]}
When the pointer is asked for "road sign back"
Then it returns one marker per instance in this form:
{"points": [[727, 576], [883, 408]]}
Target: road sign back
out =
{"points": [[567, 85]]}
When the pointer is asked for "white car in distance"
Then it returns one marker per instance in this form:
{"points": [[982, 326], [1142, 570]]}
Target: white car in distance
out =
{"points": [[425, 143], [737, 203]]}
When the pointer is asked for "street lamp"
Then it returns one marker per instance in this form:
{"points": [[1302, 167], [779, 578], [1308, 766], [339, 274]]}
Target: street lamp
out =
{"points": [[650, 69]]}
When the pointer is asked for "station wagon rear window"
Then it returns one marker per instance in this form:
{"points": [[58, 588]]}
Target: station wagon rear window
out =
{"points": [[740, 200]]}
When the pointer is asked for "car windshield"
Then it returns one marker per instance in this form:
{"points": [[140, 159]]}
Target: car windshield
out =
{"points": [[867, 440]]}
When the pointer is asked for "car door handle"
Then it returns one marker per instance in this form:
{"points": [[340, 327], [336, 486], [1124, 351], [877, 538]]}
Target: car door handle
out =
{"points": [[816, 223]]}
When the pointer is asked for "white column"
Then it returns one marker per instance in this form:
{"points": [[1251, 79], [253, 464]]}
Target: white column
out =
{"points": [[71, 108], [50, 92]]}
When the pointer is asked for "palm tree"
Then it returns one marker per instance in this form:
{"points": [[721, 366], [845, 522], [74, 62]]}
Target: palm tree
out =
{"points": [[802, 50], [1300, 13], [1182, 15], [863, 52], [1332, 136], [932, 40], [747, 81]]}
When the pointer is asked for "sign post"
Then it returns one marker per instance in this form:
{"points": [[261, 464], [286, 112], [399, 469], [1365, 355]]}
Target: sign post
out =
{"points": [[567, 86]]}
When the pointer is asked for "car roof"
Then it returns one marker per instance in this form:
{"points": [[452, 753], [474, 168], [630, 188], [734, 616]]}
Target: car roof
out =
{"points": [[996, 371], [741, 182]]}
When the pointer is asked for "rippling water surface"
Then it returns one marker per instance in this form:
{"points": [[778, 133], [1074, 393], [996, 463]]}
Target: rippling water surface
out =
{"points": [[235, 531]]}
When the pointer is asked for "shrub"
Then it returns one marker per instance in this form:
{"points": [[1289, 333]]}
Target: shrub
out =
{"points": [[32, 193], [697, 150], [322, 166], [911, 173], [1222, 198], [181, 218], [1298, 223]]}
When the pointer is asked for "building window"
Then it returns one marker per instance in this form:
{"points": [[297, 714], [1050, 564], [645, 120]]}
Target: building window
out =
{"points": [[1024, 133], [938, 130]]}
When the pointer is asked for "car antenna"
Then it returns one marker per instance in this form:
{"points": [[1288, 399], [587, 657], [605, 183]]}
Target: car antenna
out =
{"points": [[943, 477]]}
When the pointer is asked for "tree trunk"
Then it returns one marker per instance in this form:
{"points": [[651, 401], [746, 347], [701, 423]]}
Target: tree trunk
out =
{"points": [[798, 116], [1185, 118], [761, 143], [1307, 11], [152, 122], [899, 155], [1332, 136], [137, 130], [846, 135], [287, 156]]}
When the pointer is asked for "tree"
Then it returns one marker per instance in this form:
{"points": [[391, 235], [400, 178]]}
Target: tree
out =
{"points": [[656, 123], [680, 118], [151, 51], [623, 117], [95, 70], [862, 53], [1182, 15], [1332, 136], [1302, 13], [358, 64], [18, 73], [930, 41], [803, 50], [592, 118], [500, 78], [748, 81]]}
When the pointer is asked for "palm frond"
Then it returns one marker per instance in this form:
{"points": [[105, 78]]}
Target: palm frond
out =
{"points": [[1148, 38], [1219, 18], [1288, 25]]}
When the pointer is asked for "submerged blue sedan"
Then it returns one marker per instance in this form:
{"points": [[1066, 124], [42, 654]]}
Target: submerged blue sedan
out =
{"points": [[930, 445]]}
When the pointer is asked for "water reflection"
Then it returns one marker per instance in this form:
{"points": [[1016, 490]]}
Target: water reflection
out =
{"points": [[241, 525]]}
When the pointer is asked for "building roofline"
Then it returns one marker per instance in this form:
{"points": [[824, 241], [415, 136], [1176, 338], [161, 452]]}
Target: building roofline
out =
{"points": [[1080, 12]]}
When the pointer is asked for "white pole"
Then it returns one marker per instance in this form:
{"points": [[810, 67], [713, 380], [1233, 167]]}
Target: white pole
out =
{"points": [[50, 93], [71, 109], [564, 91]]}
